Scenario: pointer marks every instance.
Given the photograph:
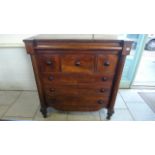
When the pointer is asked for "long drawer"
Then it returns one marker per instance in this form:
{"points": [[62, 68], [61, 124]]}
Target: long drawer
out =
{"points": [[76, 101], [53, 90], [64, 78]]}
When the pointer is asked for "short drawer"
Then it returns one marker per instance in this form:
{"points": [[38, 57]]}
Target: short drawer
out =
{"points": [[72, 79], [107, 63], [78, 63], [48, 63]]}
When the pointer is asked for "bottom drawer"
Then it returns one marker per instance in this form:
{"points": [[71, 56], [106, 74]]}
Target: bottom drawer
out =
{"points": [[77, 103]]}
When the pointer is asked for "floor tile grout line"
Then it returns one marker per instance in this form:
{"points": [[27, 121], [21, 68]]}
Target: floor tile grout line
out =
{"points": [[147, 104], [85, 115], [15, 102], [67, 116], [33, 117], [127, 107], [21, 92], [121, 108], [137, 102], [100, 115], [1, 116], [17, 117]]}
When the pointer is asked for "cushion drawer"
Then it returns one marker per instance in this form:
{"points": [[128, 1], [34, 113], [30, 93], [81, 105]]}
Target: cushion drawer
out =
{"points": [[80, 63]]}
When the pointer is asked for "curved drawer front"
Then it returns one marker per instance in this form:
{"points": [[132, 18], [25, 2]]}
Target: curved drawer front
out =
{"points": [[79, 63]]}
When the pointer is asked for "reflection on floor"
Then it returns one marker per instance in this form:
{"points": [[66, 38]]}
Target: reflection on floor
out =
{"points": [[24, 105]]}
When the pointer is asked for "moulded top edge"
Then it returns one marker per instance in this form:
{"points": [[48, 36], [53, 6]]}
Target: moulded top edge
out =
{"points": [[67, 38]]}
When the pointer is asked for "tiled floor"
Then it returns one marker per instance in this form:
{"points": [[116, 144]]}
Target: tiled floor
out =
{"points": [[24, 105]]}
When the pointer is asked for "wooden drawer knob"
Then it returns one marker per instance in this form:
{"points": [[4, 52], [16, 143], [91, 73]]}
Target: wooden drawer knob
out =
{"points": [[51, 78], [102, 90], [77, 63], [49, 62], [52, 90], [100, 101], [104, 79], [107, 63]]}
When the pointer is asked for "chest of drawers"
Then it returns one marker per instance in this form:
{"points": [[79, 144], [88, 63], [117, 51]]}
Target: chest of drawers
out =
{"points": [[77, 75]]}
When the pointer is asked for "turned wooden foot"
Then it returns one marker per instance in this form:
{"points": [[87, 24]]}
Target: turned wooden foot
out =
{"points": [[109, 114], [43, 110]]}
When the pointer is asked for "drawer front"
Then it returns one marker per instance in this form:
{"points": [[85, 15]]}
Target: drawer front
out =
{"points": [[76, 90], [79, 63], [48, 63], [107, 63], [69, 101], [72, 79]]}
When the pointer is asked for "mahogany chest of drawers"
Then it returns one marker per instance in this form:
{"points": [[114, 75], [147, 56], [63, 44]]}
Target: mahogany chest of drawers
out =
{"points": [[77, 75]]}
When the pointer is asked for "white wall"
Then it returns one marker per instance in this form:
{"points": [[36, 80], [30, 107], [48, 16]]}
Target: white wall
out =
{"points": [[16, 71], [13, 40]]}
